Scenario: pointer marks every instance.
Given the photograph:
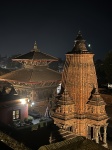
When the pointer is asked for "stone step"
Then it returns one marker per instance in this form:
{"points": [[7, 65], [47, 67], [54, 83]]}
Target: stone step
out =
{"points": [[66, 134], [70, 136]]}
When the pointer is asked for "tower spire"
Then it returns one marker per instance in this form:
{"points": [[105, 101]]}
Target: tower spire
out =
{"points": [[35, 47], [79, 45], [79, 37]]}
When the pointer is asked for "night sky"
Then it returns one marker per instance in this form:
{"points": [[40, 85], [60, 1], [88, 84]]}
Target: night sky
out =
{"points": [[54, 24]]}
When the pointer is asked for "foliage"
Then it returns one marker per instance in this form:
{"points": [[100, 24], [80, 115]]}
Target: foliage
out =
{"points": [[100, 72], [108, 66], [13, 64], [28, 120], [4, 71]]}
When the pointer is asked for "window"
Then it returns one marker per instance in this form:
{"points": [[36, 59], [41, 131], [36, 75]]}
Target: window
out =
{"points": [[16, 114]]}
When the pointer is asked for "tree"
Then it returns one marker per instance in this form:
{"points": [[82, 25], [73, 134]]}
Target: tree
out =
{"points": [[13, 64], [100, 71], [4, 71], [108, 66]]}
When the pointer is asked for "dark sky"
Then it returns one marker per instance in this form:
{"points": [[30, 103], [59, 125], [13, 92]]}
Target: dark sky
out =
{"points": [[54, 24]]}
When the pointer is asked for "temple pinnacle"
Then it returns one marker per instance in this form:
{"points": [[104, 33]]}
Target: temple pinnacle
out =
{"points": [[35, 46]]}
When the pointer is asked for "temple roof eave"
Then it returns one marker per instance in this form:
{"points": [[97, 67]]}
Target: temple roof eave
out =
{"points": [[97, 118], [35, 56], [36, 60], [28, 83], [32, 76], [97, 103]]}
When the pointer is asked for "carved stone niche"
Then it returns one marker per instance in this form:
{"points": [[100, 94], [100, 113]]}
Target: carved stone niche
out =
{"points": [[102, 109], [90, 109]]}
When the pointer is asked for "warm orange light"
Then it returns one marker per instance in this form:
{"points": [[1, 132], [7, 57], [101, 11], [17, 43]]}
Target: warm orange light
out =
{"points": [[23, 101]]}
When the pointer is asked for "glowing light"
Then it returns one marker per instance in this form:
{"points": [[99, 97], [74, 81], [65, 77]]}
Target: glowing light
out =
{"points": [[59, 88], [33, 103], [23, 101], [89, 45]]}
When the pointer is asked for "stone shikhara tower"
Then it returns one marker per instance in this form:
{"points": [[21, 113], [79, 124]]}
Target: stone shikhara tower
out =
{"points": [[81, 108]]}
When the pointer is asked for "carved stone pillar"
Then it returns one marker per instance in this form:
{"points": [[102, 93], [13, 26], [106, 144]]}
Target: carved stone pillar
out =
{"points": [[105, 137], [89, 133], [93, 132], [96, 135], [105, 134]]}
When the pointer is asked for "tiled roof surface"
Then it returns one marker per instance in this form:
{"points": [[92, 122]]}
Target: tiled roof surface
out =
{"points": [[32, 75], [36, 55], [78, 143]]}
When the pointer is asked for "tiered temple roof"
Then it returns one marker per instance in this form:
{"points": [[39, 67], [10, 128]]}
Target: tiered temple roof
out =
{"points": [[35, 68]]}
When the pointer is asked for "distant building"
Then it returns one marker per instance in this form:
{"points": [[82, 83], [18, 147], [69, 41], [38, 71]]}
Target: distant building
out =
{"points": [[80, 108]]}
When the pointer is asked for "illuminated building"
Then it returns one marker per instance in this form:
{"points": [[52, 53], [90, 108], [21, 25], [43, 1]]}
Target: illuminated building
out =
{"points": [[12, 108], [81, 109]]}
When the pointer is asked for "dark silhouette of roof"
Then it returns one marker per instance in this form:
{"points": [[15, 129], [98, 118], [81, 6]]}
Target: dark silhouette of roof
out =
{"points": [[78, 143], [4, 146], [12, 95]]}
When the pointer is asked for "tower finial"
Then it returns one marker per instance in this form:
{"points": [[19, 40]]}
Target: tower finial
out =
{"points": [[79, 36], [35, 45], [79, 32]]}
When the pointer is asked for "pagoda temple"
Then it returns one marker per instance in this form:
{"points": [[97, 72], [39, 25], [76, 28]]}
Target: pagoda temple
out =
{"points": [[80, 108], [35, 80]]}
